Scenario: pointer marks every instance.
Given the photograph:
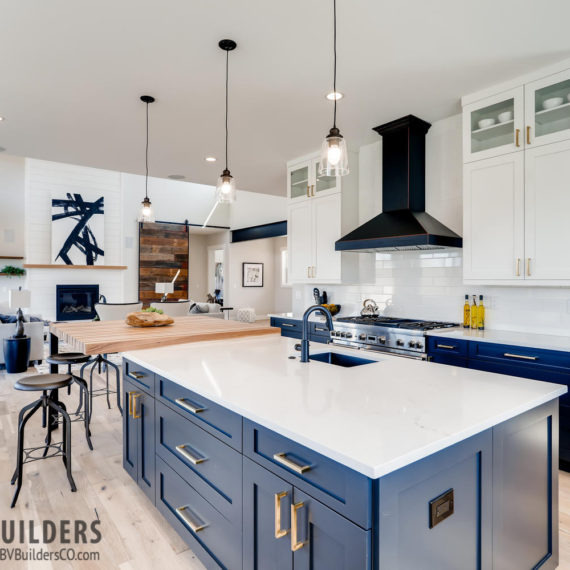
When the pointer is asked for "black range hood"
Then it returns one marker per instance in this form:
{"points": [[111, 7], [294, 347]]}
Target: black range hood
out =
{"points": [[403, 224]]}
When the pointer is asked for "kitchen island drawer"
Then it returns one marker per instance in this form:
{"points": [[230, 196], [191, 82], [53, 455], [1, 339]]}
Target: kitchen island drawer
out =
{"points": [[446, 346], [289, 327], [213, 468], [529, 358], [139, 376], [215, 540], [215, 419], [319, 332], [344, 490]]}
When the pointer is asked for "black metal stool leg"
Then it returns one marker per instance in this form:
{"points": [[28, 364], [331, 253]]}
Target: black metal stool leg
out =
{"points": [[49, 430], [83, 388], [59, 407], [20, 417], [69, 372], [107, 386], [21, 428], [118, 373], [91, 389]]}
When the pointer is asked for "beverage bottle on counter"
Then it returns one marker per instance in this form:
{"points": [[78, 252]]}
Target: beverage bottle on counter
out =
{"points": [[481, 314], [474, 313], [466, 313]]}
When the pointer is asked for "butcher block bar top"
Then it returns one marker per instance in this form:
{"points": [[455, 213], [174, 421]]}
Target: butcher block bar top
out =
{"points": [[106, 337]]}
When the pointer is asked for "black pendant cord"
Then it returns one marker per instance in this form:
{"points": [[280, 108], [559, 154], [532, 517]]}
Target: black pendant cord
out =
{"points": [[146, 156], [334, 78], [227, 75]]}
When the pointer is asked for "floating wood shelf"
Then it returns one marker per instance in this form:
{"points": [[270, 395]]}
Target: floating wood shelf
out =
{"points": [[10, 275], [10, 257], [54, 266]]}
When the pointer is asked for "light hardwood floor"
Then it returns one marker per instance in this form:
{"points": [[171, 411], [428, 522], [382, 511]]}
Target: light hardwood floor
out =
{"points": [[134, 534]]}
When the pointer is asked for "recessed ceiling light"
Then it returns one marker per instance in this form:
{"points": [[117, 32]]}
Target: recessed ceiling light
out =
{"points": [[210, 159], [334, 95], [176, 176]]}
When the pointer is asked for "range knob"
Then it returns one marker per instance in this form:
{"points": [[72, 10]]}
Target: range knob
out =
{"points": [[362, 337], [412, 344], [382, 339], [399, 342], [348, 335]]}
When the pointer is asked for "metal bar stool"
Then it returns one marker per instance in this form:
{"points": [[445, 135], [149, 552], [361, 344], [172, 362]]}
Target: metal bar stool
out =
{"points": [[100, 359], [43, 383], [82, 413]]}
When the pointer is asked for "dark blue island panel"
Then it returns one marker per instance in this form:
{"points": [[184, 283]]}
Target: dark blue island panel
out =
{"points": [[293, 328]]}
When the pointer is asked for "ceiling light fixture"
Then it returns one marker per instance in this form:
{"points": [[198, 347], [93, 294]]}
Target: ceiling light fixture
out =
{"points": [[226, 186], [334, 95], [211, 159], [334, 156], [146, 213]]}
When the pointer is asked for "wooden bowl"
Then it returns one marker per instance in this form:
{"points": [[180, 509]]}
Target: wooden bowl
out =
{"points": [[148, 319]]}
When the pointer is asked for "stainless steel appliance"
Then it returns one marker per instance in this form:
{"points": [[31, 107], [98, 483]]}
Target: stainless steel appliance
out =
{"points": [[405, 337]]}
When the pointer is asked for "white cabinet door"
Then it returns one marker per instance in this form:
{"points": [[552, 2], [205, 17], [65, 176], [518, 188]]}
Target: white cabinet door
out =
{"points": [[299, 181], [493, 220], [547, 212], [506, 113], [300, 241], [326, 231], [547, 109]]}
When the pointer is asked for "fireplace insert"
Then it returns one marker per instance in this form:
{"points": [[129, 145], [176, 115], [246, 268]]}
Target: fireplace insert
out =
{"points": [[76, 302]]}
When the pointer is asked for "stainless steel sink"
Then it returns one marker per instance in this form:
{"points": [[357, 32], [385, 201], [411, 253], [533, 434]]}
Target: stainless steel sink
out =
{"points": [[339, 359]]}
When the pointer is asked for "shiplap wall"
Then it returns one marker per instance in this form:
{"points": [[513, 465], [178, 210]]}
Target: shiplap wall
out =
{"points": [[42, 180]]}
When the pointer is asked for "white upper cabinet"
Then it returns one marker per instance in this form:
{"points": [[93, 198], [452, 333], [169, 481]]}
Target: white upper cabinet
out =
{"points": [[494, 126], [321, 210], [547, 212], [516, 185], [547, 109], [493, 221]]}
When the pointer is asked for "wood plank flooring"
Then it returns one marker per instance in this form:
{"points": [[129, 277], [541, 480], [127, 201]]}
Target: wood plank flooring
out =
{"points": [[134, 534]]}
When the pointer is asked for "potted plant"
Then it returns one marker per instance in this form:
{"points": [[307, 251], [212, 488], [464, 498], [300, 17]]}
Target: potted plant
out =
{"points": [[17, 348]]}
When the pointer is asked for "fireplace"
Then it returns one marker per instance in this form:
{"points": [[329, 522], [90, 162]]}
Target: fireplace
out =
{"points": [[76, 302]]}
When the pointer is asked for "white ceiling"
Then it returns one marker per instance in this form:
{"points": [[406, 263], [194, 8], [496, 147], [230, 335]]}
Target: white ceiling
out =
{"points": [[71, 73]]}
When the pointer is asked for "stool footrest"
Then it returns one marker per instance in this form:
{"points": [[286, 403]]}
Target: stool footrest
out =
{"points": [[28, 451]]}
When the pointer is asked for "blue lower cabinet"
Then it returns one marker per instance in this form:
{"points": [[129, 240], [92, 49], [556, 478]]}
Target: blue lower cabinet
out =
{"points": [[266, 519], [324, 540], [138, 437], [291, 328], [212, 537], [449, 359]]}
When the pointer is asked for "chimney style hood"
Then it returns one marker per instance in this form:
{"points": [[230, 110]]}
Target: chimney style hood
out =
{"points": [[403, 224]]}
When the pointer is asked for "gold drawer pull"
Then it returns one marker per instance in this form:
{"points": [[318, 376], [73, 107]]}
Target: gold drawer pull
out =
{"points": [[520, 356], [295, 543], [182, 513], [313, 190], [136, 416], [308, 192], [137, 375], [528, 135], [182, 450], [284, 460], [528, 266], [517, 141], [131, 394], [279, 532], [187, 406], [518, 266], [447, 346]]}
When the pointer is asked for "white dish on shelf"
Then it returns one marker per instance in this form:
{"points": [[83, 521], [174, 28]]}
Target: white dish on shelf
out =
{"points": [[505, 116], [484, 123], [552, 102]]}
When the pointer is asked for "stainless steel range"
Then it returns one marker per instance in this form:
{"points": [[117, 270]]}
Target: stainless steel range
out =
{"points": [[405, 337]]}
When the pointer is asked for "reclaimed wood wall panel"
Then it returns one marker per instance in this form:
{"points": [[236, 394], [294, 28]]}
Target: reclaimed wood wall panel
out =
{"points": [[163, 250]]}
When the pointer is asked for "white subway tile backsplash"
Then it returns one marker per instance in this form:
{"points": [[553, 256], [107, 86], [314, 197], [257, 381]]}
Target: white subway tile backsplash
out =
{"points": [[429, 285]]}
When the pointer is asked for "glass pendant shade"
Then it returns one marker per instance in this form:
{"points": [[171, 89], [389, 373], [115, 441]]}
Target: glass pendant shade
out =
{"points": [[226, 188], [146, 213], [334, 156]]}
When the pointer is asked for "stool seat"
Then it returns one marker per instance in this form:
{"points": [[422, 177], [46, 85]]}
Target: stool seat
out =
{"points": [[43, 382], [67, 358]]}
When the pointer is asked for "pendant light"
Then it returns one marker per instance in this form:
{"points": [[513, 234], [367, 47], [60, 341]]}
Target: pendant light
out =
{"points": [[334, 156], [226, 186], [146, 213]]}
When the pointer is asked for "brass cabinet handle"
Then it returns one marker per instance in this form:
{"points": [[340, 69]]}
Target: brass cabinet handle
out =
{"points": [[131, 403], [528, 135], [314, 271], [135, 398], [321, 329], [279, 532], [295, 543], [137, 375], [518, 266], [187, 455], [313, 190], [517, 134], [182, 513], [187, 406], [287, 325], [447, 346], [528, 266], [308, 191], [284, 460], [520, 356]]}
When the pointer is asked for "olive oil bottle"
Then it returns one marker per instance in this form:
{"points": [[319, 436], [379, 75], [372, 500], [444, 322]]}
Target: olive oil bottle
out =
{"points": [[466, 313], [481, 314], [474, 313]]}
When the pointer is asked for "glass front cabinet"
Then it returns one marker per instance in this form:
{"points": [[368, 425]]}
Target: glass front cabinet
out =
{"points": [[304, 181]]}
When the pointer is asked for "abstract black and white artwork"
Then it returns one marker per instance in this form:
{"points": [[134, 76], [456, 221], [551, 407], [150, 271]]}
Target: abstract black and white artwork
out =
{"points": [[78, 229]]}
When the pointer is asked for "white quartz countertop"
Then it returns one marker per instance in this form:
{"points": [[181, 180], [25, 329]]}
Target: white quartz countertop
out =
{"points": [[531, 340], [374, 418]]}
